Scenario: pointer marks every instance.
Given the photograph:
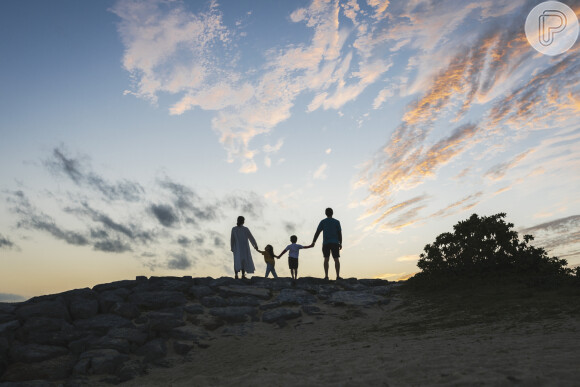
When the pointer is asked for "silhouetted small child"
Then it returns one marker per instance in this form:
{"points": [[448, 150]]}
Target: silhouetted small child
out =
{"points": [[293, 250], [269, 255]]}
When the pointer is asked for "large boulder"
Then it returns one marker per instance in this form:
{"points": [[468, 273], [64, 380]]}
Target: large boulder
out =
{"points": [[295, 296], [33, 353], [234, 314], [100, 361], [43, 307], [57, 368], [103, 323], [158, 299]]}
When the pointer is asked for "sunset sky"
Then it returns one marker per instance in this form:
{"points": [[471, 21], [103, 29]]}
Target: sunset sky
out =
{"points": [[133, 133]]}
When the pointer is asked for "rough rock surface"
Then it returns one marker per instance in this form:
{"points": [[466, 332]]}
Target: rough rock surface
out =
{"points": [[118, 330]]}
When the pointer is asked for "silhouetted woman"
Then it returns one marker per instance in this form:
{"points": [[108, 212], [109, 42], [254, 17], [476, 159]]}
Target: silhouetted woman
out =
{"points": [[241, 249]]}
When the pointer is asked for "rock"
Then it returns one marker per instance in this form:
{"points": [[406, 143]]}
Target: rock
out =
{"points": [[134, 336], [188, 332], [103, 323], [82, 303], [276, 315], [109, 298], [126, 284], [153, 350], [157, 299], [270, 305], [182, 347], [9, 327], [33, 353], [125, 309], [356, 298], [194, 309], [43, 324], [43, 307], [224, 281], [271, 284], [100, 361], [214, 301], [165, 321], [58, 368], [295, 296], [130, 370], [233, 314], [311, 310], [170, 284], [200, 291], [7, 308], [372, 282], [119, 344], [237, 290], [243, 301]]}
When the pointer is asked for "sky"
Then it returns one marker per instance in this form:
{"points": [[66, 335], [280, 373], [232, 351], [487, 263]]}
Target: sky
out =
{"points": [[133, 134]]}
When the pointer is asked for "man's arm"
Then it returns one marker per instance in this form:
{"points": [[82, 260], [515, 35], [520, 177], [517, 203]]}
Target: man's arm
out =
{"points": [[340, 238], [318, 231]]}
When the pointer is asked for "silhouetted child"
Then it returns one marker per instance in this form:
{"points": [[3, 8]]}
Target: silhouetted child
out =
{"points": [[269, 255], [293, 250]]}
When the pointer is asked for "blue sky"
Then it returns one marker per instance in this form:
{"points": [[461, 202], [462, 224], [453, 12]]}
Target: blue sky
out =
{"points": [[135, 132]]}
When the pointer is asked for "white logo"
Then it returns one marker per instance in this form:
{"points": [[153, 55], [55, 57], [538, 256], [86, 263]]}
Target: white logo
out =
{"points": [[552, 28]]}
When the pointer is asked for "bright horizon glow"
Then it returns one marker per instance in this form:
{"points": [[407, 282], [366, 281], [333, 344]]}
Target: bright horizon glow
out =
{"points": [[135, 132]]}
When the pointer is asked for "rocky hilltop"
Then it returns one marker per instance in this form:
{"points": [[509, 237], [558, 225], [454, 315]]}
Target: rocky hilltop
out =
{"points": [[116, 331]]}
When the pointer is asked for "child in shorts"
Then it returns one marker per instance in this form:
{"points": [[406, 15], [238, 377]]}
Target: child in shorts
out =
{"points": [[269, 255], [293, 250]]}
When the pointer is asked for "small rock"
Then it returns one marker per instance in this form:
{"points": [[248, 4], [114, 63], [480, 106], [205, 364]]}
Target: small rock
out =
{"points": [[311, 310], [130, 370], [103, 323]]}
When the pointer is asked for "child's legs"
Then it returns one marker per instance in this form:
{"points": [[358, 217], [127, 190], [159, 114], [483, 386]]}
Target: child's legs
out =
{"points": [[274, 272], [268, 270]]}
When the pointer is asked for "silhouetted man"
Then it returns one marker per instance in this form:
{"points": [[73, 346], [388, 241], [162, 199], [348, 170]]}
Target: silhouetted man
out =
{"points": [[331, 241]]}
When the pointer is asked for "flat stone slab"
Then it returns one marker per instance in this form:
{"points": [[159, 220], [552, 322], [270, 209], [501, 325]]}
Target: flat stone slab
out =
{"points": [[295, 296], [236, 290]]}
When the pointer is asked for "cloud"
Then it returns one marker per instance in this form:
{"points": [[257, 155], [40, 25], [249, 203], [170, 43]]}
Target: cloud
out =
{"points": [[408, 258], [79, 171], [179, 261], [290, 227], [319, 173], [164, 214], [9, 297], [248, 203], [454, 69], [498, 171], [172, 50], [112, 246], [562, 235], [185, 241], [6, 243]]}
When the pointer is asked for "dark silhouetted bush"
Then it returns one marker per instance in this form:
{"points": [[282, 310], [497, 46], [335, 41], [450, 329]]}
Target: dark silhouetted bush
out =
{"points": [[487, 247]]}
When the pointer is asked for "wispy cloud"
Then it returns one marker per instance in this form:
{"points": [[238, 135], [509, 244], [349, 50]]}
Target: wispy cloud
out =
{"points": [[319, 173], [110, 220], [454, 70], [6, 243], [560, 236]]}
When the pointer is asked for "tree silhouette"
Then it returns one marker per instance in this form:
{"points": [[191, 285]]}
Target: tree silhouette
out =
{"points": [[483, 246]]}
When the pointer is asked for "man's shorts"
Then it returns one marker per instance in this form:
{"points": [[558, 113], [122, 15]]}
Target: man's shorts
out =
{"points": [[293, 263], [331, 247]]}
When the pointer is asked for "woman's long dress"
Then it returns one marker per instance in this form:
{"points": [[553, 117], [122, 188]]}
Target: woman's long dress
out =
{"points": [[241, 249]]}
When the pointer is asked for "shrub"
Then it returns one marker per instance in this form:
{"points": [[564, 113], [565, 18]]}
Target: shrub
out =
{"points": [[487, 246]]}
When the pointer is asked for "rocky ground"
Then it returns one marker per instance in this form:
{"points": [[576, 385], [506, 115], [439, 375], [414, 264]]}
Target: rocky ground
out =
{"points": [[119, 331]]}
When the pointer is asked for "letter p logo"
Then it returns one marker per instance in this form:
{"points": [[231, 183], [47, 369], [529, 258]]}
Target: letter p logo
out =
{"points": [[551, 22], [552, 28]]}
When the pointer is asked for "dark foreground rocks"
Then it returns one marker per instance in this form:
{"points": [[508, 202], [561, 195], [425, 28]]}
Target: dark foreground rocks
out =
{"points": [[118, 330]]}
